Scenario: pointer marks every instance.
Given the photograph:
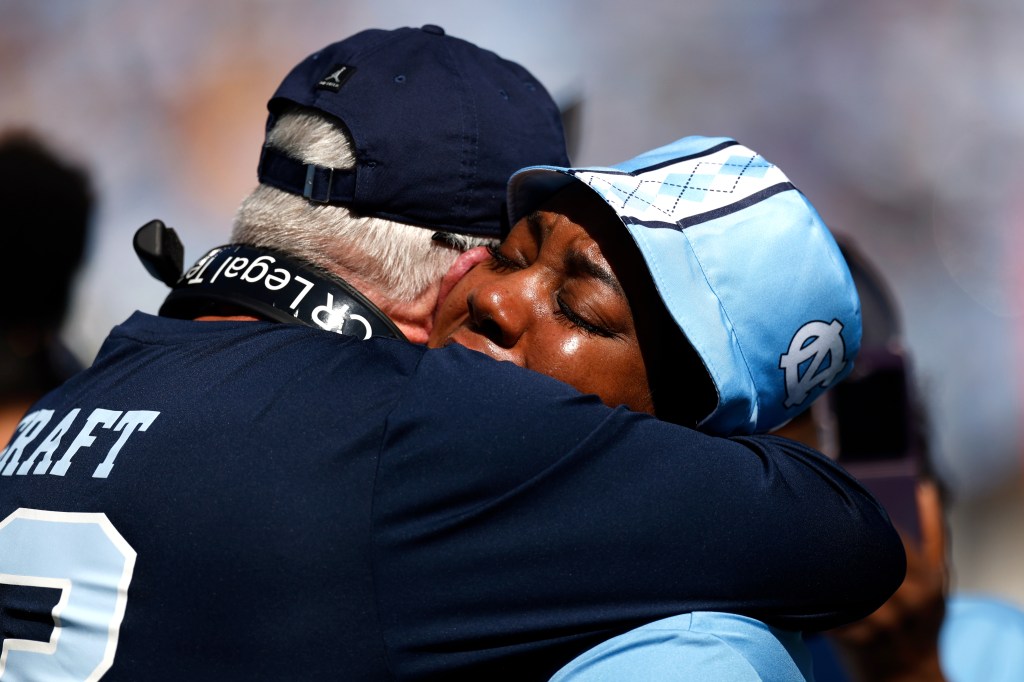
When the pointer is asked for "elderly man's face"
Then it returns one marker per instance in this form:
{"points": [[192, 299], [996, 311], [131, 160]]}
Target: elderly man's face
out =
{"points": [[551, 299]]}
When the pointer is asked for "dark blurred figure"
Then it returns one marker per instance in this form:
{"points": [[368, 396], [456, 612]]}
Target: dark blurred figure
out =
{"points": [[874, 424], [47, 211]]}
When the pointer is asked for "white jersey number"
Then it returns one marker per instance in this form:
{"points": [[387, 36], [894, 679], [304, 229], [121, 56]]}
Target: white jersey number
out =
{"points": [[84, 557]]}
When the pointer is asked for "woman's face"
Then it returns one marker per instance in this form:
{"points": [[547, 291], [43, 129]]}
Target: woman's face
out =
{"points": [[551, 298]]}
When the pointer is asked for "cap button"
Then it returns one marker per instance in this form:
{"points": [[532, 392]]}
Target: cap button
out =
{"points": [[432, 28]]}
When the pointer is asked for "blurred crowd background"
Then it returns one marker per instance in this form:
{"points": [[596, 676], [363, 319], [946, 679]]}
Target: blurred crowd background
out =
{"points": [[903, 123]]}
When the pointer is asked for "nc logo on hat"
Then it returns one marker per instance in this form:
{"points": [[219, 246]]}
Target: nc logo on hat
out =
{"points": [[336, 78], [812, 345]]}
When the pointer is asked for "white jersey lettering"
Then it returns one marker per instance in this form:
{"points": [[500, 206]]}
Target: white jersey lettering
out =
{"points": [[126, 423]]}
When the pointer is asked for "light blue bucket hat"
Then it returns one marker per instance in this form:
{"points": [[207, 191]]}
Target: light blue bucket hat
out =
{"points": [[743, 263]]}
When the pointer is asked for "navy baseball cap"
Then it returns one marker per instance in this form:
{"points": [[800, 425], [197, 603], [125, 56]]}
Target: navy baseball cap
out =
{"points": [[438, 126], [743, 263]]}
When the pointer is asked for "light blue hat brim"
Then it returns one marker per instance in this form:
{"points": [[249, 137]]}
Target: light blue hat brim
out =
{"points": [[743, 263]]}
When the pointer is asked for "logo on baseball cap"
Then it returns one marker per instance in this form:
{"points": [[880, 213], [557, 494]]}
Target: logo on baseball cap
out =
{"points": [[339, 73]]}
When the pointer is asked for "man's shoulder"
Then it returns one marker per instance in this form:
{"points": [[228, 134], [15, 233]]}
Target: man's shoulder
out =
{"points": [[457, 374], [243, 365], [255, 341]]}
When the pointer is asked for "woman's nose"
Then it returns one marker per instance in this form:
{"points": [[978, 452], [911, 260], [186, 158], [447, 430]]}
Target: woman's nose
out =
{"points": [[500, 309]]}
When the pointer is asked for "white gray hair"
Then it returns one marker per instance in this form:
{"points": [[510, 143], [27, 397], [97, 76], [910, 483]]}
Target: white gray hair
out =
{"points": [[400, 261]]}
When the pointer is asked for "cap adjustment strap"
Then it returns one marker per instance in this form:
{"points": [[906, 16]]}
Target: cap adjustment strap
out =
{"points": [[315, 177], [319, 184]]}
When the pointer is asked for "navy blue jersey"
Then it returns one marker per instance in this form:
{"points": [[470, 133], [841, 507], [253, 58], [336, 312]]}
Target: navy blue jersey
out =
{"points": [[260, 501]]}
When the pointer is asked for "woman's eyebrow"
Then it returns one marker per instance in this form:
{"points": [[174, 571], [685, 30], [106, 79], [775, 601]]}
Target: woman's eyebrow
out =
{"points": [[578, 263]]}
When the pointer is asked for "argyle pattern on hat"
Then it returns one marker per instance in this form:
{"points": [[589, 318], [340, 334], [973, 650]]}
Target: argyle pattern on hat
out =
{"points": [[689, 190]]}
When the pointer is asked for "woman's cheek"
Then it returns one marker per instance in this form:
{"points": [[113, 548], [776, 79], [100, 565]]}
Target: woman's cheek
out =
{"points": [[571, 346]]}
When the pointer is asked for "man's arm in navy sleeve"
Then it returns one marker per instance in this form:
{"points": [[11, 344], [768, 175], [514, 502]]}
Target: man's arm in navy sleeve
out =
{"points": [[523, 506]]}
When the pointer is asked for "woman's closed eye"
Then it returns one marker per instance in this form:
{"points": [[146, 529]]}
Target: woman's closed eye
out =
{"points": [[502, 263], [566, 313]]}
